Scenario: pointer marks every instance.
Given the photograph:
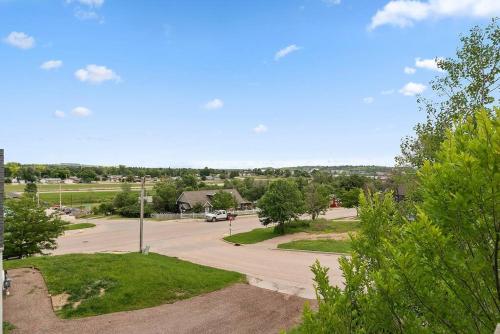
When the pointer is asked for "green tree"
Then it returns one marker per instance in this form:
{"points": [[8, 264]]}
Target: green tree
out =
{"points": [[28, 173], [470, 82], [281, 203], [165, 196], [30, 189], [349, 198], [126, 203], [12, 169], [189, 181], [87, 175], [437, 273], [205, 172], [317, 199], [28, 230], [198, 208], [223, 200], [233, 174]]}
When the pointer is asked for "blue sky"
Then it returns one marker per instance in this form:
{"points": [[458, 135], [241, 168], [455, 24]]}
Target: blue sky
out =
{"points": [[220, 83]]}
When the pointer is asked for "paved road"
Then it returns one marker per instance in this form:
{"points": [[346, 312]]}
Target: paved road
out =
{"points": [[200, 242]]}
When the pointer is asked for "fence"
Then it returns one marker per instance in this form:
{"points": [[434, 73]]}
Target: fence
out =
{"points": [[193, 215]]}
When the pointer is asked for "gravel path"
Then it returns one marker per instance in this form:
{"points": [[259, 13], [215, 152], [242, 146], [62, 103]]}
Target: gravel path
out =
{"points": [[239, 308]]}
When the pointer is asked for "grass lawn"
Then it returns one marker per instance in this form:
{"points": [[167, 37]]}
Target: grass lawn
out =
{"points": [[316, 226], [106, 283], [74, 187], [321, 245], [73, 199], [78, 226], [7, 327]]}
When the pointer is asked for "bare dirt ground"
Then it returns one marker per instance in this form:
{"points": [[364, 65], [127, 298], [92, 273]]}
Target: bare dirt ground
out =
{"points": [[239, 308]]}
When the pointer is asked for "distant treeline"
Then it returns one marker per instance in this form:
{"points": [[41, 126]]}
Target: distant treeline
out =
{"points": [[34, 172]]}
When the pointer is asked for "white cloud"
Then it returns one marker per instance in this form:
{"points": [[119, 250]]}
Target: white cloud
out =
{"points": [[96, 74], [214, 104], [20, 40], [409, 70], [387, 92], [51, 64], [59, 114], [90, 3], [404, 13], [368, 100], [81, 112], [412, 88], [332, 2], [86, 15], [261, 128], [430, 64], [286, 51]]}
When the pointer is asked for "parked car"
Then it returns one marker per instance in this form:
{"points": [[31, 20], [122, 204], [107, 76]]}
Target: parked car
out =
{"points": [[219, 215]]}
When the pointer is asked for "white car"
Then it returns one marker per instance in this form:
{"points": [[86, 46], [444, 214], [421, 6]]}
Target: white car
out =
{"points": [[218, 215]]}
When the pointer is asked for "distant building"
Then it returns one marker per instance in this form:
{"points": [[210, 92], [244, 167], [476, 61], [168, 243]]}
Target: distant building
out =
{"points": [[400, 193], [189, 199], [72, 180], [115, 178], [50, 180]]}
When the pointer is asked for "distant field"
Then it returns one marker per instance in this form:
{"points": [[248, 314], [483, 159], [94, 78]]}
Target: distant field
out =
{"points": [[73, 187], [79, 198]]}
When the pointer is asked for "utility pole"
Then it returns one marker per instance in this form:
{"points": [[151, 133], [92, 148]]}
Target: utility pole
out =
{"points": [[141, 220]]}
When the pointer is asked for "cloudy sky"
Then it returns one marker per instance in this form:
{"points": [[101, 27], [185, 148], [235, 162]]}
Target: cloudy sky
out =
{"points": [[220, 83]]}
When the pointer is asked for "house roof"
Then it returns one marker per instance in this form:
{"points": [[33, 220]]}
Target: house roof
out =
{"points": [[203, 196]]}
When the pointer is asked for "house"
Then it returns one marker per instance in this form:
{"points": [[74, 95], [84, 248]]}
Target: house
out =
{"points": [[189, 199], [50, 180], [72, 180], [400, 193], [115, 178]]}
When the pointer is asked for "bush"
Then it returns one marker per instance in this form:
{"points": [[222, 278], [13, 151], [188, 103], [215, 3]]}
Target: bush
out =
{"points": [[28, 230], [437, 273], [105, 208]]}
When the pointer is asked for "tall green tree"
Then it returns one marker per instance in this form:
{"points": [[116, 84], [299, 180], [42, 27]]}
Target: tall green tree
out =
{"points": [[165, 196], [317, 199], [30, 189], [223, 200], [438, 273], [282, 202], [468, 83], [12, 169], [28, 229]]}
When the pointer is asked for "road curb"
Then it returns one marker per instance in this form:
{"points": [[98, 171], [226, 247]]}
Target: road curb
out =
{"points": [[308, 251], [231, 243]]}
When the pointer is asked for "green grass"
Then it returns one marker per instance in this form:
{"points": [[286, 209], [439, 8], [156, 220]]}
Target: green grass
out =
{"points": [[7, 327], [78, 226], [321, 245], [131, 281], [73, 187], [73, 199], [309, 226]]}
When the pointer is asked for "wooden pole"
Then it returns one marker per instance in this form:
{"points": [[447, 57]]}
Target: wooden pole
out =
{"points": [[142, 216]]}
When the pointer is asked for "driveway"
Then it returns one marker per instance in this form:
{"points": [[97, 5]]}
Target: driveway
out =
{"points": [[200, 242]]}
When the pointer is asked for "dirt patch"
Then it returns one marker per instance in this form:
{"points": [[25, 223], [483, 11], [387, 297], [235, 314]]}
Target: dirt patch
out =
{"points": [[58, 301]]}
